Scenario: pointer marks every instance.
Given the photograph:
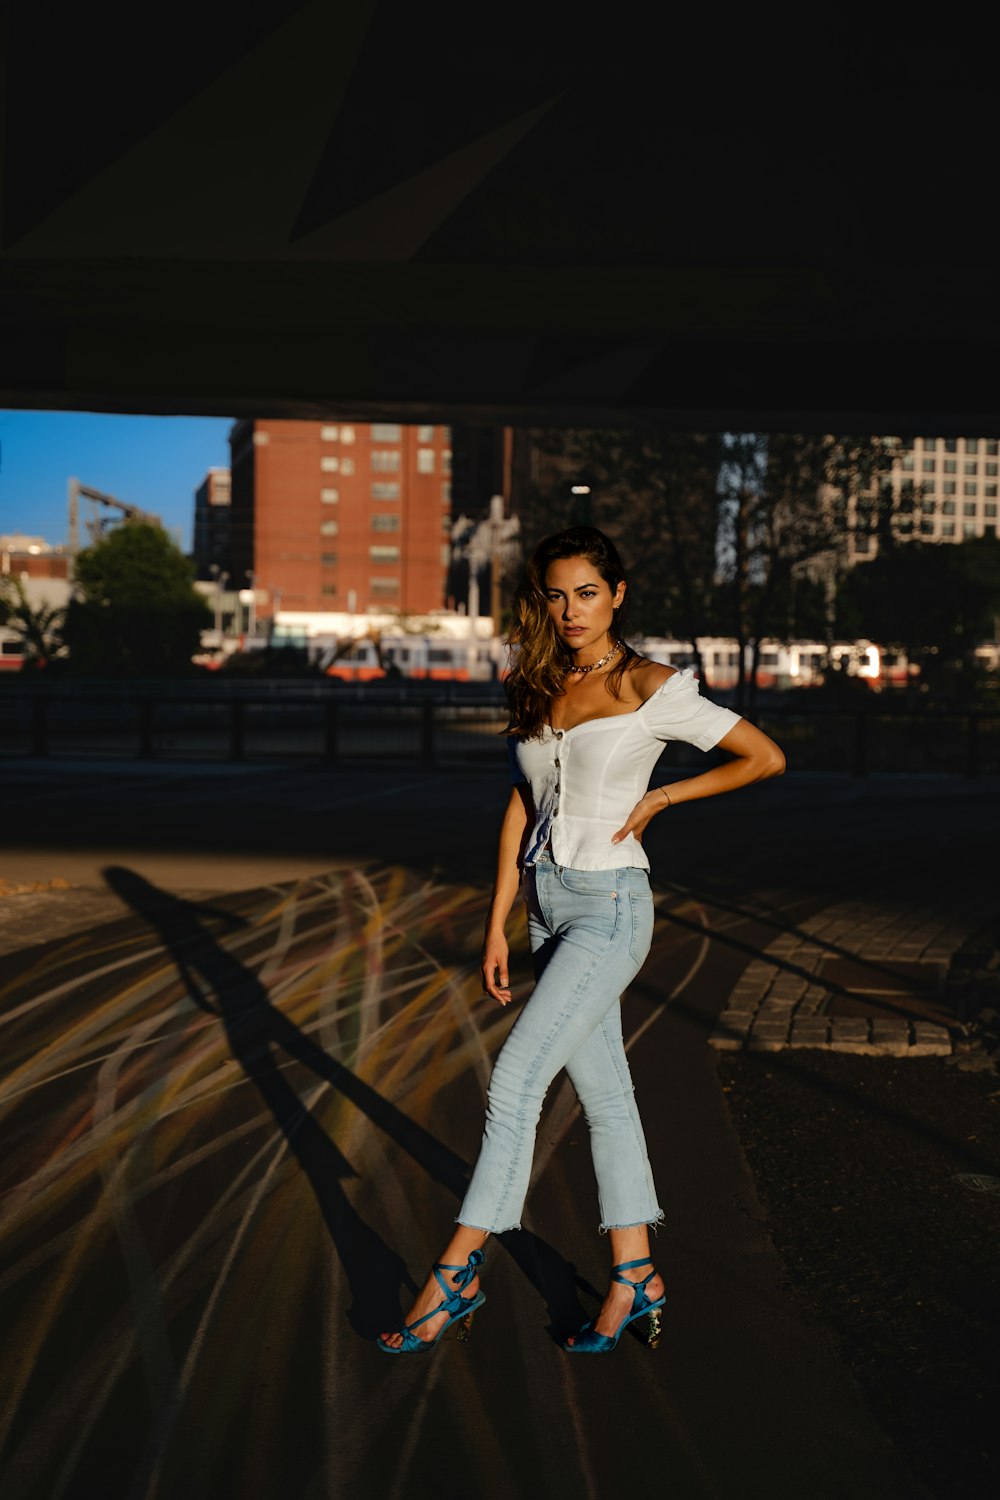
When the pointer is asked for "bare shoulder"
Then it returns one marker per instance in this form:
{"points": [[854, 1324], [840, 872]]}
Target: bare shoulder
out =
{"points": [[647, 676]]}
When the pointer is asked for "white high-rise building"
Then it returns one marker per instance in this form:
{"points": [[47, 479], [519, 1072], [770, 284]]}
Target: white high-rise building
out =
{"points": [[955, 487]]}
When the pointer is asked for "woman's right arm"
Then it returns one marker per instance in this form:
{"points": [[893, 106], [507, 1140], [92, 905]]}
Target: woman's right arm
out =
{"points": [[496, 979]]}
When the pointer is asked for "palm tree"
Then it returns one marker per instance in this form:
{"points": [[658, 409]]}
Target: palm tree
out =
{"points": [[37, 627]]}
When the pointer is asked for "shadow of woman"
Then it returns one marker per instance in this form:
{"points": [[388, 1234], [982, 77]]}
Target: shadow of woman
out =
{"points": [[256, 1030]]}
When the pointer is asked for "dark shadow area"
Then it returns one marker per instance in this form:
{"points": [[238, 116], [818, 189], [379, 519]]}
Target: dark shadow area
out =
{"points": [[777, 927], [857, 1163], [826, 838], [844, 1088], [257, 1033]]}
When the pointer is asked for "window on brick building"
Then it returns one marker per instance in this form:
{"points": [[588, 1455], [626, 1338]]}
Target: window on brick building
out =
{"points": [[446, 460], [328, 559], [347, 466], [329, 497], [329, 465], [329, 528], [328, 588], [446, 492], [329, 434], [385, 461], [384, 585], [387, 522], [425, 434], [385, 489], [347, 434], [386, 432], [425, 460], [384, 554]]}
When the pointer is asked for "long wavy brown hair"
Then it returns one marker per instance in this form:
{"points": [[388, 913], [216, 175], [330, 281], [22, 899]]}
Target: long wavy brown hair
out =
{"points": [[540, 659]]}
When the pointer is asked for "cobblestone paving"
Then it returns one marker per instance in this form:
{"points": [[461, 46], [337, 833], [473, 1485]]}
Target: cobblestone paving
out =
{"points": [[782, 998]]}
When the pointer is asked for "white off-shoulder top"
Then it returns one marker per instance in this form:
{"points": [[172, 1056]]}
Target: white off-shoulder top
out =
{"points": [[586, 780]]}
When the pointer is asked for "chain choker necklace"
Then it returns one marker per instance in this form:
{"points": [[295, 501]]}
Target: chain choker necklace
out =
{"points": [[595, 664]]}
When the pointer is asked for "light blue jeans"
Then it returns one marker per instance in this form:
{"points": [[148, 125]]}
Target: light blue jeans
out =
{"points": [[590, 932]]}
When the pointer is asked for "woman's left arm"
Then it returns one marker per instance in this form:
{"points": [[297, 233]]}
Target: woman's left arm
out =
{"points": [[755, 758]]}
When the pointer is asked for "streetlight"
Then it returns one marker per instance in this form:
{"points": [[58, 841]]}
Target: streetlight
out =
{"points": [[582, 507], [251, 602], [221, 579]]}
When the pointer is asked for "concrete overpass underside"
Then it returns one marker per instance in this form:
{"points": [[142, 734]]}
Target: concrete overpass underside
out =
{"points": [[306, 209]]}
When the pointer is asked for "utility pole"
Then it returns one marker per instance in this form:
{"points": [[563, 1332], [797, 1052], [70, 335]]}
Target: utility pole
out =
{"points": [[491, 542], [74, 517], [497, 525]]}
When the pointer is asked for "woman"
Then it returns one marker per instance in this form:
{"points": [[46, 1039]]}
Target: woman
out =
{"points": [[588, 718]]}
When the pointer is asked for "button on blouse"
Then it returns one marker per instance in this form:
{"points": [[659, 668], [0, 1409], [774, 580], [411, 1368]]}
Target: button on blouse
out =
{"points": [[586, 780]]}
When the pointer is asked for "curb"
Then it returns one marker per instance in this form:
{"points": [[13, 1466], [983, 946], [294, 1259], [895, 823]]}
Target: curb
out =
{"points": [[782, 1000], [735, 1030]]}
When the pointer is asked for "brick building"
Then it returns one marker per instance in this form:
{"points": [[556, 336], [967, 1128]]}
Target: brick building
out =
{"points": [[30, 557], [341, 515]]}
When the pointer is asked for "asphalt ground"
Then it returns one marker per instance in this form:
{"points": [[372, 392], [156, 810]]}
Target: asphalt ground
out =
{"points": [[246, 1061]]}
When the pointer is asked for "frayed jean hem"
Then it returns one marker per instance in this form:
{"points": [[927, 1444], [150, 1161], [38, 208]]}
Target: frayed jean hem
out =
{"points": [[482, 1229], [653, 1224]]}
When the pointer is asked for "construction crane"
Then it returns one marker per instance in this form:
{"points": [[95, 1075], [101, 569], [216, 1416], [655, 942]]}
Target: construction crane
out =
{"points": [[98, 525]]}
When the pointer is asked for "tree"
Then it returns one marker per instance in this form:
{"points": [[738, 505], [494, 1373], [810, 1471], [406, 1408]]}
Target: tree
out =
{"points": [[788, 503], [38, 627], [738, 534], [935, 601], [491, 542], [135, 611], [653, 492]]}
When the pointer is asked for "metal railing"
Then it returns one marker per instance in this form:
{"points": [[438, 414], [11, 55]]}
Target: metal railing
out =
{"points": [[424, 725]]}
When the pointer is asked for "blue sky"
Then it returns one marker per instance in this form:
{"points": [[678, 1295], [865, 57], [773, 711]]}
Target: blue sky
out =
{"points": [[156, 463]]}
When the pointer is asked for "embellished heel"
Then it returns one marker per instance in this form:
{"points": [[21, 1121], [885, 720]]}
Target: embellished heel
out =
{"points": [[465, 1329], [459, 1309], [589, 1341]]}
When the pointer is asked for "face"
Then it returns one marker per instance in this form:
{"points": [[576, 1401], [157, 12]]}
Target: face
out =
{"points": [[580, 603]]}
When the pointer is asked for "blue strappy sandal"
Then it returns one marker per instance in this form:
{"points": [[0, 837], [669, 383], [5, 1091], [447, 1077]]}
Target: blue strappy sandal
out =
{"points": [[588, 1341], [458, 1308]]}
